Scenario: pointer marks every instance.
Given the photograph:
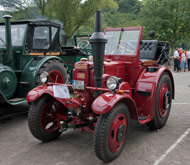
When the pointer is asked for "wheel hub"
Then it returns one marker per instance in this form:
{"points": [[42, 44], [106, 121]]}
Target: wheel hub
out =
{"points": [[48, 118], [166, 98], [121, 133], [117, 132]]}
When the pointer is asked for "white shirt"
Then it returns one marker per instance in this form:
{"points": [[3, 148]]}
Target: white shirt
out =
{"points": [[188, 54], [183, 57], [176, 54]]}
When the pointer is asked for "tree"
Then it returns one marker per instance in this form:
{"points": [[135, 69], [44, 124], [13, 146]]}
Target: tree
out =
{"points": [[25, 7], [129, 6], [73, 14], [41, 4], [169, 19], [15, 4]]}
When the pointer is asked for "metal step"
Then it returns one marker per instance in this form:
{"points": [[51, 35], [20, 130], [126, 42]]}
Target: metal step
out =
{"points": [[18, 71], [24, 83], [16, 99], [142, 117]]}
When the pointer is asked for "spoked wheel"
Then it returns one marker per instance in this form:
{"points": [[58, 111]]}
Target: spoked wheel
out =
{"points": [[110, 133], [163, 102], [43, 118], [55, 76], [58, 72]]}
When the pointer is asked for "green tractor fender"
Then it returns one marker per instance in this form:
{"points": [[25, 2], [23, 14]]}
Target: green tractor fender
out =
{"points": [[30, 72]]}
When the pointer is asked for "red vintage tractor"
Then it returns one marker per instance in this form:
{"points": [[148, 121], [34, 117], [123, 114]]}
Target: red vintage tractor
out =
{"points": [[125, 83]]}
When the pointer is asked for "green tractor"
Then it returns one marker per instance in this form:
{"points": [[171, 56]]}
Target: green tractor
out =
{"points": [[27, 48]]}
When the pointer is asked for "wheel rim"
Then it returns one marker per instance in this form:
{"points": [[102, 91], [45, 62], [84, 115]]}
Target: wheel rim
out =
{"points": [[118, 132], [55, 76], [48, 117], [164, 100]]}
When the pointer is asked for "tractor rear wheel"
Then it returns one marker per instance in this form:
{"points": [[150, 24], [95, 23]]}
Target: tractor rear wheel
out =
{"points": [[110, 133], [42, 118], [58, 72], [163, 101]]}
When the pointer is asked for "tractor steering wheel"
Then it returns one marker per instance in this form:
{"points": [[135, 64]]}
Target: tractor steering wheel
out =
{"points": [[83, 44], [123, 48], [2, 41]]}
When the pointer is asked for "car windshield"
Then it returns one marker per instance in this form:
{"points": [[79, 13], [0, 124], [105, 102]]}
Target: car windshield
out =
{"points": [[17, 34], [122, 42]]}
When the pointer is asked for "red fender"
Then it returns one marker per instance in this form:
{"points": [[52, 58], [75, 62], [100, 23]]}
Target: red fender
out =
{"points": [[37, 92], [105, 103], [145, 90]]}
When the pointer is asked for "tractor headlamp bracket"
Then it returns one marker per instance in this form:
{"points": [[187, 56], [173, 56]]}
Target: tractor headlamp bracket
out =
{"points": [[113, 82]]}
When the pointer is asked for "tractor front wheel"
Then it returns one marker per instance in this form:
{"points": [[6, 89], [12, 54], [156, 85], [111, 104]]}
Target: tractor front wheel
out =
{"points": [[163, 101], [110, 133], [42, 119], [58, 72]]}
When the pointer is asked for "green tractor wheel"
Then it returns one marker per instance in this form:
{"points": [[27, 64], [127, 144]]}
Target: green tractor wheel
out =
{"points": [[8, 81], [58, 72]]}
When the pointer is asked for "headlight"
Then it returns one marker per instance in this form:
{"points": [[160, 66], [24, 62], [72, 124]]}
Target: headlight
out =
{"points": [[113, 82], [44, 76]]}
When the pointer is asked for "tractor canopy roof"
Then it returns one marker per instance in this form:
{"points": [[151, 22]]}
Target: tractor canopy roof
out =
{"points": [[35, 35], [41, 22]]}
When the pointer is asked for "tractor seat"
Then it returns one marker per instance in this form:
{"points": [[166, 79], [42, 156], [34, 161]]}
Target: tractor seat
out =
{"points": [[148, 50]]}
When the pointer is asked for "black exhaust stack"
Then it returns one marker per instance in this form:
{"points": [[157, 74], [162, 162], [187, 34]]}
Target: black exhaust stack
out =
{"points": [[98, 41]]}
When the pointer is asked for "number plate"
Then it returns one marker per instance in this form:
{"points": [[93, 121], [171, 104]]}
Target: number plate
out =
{"points": [[76, 84]]}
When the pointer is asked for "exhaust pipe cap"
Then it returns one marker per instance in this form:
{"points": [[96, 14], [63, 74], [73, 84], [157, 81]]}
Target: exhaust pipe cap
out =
{"points": [[7, 16]]}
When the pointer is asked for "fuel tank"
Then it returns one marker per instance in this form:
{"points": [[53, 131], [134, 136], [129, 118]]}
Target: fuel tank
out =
{"points": [[84, 71]]}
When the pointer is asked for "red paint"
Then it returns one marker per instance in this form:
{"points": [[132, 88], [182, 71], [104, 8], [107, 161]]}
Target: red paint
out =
{"points": [[105, 102], [48, 118], [37, 92], [115, 68], [148, 82], [162, 111], [124, 86], [56, 77], [81, 71], [135, 80], [113, 142]]}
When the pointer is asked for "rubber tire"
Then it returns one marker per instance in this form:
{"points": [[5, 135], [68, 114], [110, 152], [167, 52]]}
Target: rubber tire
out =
{"points": [[100, 139], [159, 122], [34, 120], [53, 64]]}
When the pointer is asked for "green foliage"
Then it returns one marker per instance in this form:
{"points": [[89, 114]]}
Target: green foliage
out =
{"points": [[74, 13], [15, 4], [129, 6], [169, 19], [113, 17], [77, 16], [117, 19]]}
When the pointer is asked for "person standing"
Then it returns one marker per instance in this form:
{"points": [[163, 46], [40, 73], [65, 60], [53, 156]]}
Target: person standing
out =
{"points": [[176, 60], [188, 59], [180, 54], [183, 61]]}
